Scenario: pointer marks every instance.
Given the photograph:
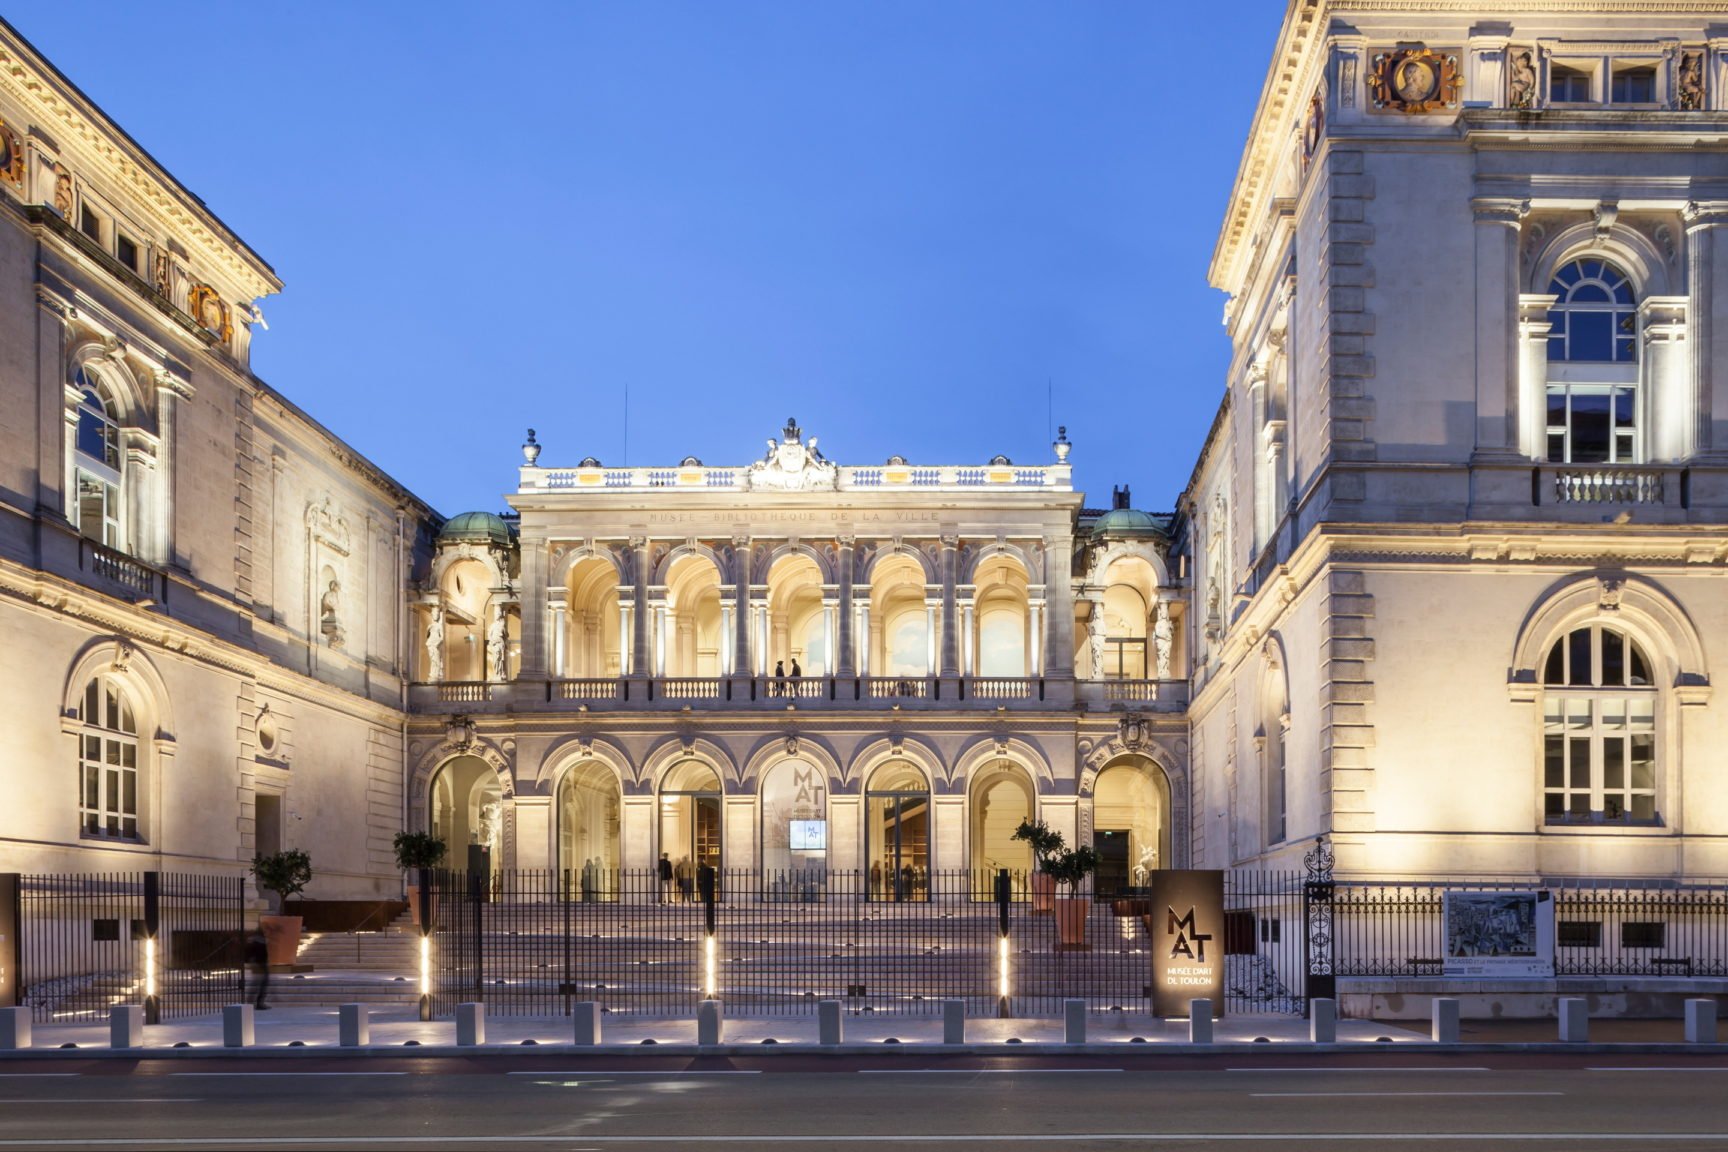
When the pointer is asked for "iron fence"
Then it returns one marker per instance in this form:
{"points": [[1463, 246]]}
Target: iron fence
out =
{"points": [[1399, 929], [169, 942], [536, 942]]}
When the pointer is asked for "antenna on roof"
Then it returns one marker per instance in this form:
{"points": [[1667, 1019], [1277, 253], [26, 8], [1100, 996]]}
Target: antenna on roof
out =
{"points": [[626, 422]]}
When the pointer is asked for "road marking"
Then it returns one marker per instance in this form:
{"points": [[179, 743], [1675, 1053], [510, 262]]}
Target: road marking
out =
{"points": [[287, 1073], [1365, 1068], [1675, 1068], [977, 1071], [34, 1075], [1277, 1095], [74, 1101], [1144, 1139], [640, 1072]]}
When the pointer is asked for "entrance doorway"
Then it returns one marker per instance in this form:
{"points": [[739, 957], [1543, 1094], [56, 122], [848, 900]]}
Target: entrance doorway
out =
{"points": [[897, 815], [1113, 879], [466, 809], [267, 823], [690, 800], [1131, 826]]}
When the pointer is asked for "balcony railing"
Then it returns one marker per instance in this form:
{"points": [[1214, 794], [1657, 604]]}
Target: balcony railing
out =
{"points": [[137, 577], [1056, 477], [690, 688], [1604, 485], [464, 692], [897, 687], [590, 689], [1004, 688], [1130, 691]]}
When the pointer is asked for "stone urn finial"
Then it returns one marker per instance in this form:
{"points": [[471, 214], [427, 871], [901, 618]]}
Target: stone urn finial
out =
{"points": [[531, 449], [1062, 446]]}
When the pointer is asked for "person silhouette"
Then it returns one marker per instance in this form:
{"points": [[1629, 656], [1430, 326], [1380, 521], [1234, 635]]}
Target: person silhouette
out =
{"points": [[779, 677]]}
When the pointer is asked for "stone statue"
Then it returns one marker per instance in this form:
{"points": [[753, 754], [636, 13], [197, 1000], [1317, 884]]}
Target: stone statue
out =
{"points": [[1521, 80], [328, 607], [435, 644], [492, 830], [1095, 637], [1163, 638], [63, 193], [792, 464], [495, 644], [1691, 82]]}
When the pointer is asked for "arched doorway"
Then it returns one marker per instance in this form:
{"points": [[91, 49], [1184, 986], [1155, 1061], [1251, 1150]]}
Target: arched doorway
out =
{"points": [[1130, 825], [794, 803], [897, 819], [1002, 796], [690, 800], [465, 808], [588, 822]]}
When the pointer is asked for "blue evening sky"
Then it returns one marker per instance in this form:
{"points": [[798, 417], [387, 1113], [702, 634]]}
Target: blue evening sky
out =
{"points": [[904, 223]]}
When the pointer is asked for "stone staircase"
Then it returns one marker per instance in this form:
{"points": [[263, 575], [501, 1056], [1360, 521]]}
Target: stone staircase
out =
{"points": [[377, 968]]}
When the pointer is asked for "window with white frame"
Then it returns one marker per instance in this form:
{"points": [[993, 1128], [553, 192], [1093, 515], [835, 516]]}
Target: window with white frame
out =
{"points": [[107, 761], [1598, 729], [96, 506], [1593, 397]]}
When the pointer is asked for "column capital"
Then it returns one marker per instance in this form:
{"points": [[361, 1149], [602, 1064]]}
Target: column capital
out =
{"points": [[1704, 213], [1499, 210]]}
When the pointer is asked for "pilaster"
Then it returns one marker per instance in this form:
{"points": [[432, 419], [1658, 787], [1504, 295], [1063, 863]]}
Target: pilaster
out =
{"points": [[1497, 376]]}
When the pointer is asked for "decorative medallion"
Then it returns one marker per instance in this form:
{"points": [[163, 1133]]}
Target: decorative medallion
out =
{"points": [[1414, 80], [11, 157], [209, 311]]}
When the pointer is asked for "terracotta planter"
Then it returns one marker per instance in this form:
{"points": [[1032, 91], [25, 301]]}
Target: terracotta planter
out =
{"points": [[1071, 921], [281, 938], [1043, 892]]}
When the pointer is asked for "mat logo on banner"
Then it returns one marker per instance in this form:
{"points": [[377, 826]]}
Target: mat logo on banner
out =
{"points": [[1187, 928]]}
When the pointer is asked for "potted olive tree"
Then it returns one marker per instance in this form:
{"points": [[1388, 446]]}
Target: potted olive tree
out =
{"points": [[417, 853], [1045, 842], [284, 874], [1069, 867]]}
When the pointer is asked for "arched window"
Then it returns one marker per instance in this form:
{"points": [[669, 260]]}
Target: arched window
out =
{"points": [[108, 761], [96, 505], [1593, 401], [1599, 730]]}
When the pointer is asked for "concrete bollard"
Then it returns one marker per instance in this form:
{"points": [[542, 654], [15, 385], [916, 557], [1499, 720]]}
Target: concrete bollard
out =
{"points": [[828, 1022], [587, 1024], [14, 1028], [1574, 1020], [709, 1022], [1199, 1021], [953, 1021], [1323, 1021], [1700, 1023], [353, 1025], [1445, 1022], [1074, 1021], [470, 1025], [126, 1026], [237, 1026]]}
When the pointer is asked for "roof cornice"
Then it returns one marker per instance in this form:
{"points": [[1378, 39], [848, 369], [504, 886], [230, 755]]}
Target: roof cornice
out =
{"points": [[31, 79]]}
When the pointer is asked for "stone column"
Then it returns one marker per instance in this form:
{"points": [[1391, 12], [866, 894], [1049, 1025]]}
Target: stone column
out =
{"points": [[1670, 425], [1533, 329], [1704, 221], [1497, 224], [639, 663], [931, 643], [968, 638], [742, 607], [533, 611], [845, 661], [557, 624], [950, 624], [864, 639], [830, 605], [1058, 581], [1036, 609], [626, 661], [727, 638]]}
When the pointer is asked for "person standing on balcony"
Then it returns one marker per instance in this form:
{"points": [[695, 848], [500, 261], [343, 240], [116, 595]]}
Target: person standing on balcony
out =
{"points": [[796, 673], [779, 677]]}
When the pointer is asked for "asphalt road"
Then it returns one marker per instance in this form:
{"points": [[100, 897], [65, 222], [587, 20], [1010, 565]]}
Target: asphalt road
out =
{"points": [[795, 1104]]}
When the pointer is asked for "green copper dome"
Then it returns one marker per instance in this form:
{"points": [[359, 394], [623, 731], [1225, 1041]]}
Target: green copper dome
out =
{"points": [[476, 526], [1127, 522]]}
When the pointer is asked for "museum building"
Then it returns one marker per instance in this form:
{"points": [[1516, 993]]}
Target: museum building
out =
{"points": [[1444, 587]]}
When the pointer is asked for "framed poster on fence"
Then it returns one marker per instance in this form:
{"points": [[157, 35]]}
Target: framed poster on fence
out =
{"points": [[1187, 929], [1499, 934]]}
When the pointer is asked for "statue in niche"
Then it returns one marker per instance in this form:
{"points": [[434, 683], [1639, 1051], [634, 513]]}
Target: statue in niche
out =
{"points": [[63, 193], [1521, 80], [329, 605], [435, 644], [1163, 638], [491, 831], [791, 464], [1095, 638], [495, 636], [1691, 82]]}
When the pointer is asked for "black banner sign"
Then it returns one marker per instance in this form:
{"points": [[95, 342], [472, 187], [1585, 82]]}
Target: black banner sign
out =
{"points": [[11, 949], [1187, 940]]}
